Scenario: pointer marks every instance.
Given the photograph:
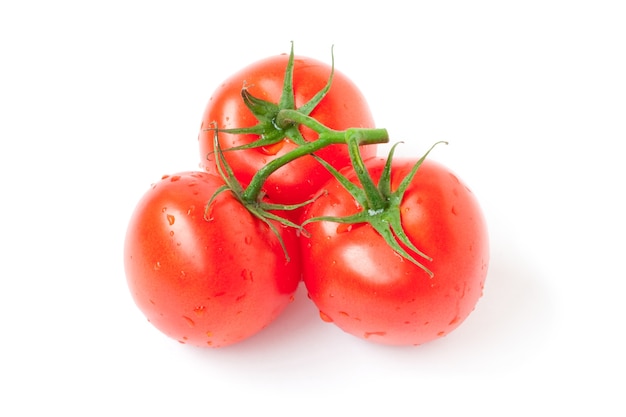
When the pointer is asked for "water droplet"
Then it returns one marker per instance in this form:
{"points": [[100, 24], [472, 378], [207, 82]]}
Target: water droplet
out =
{"points": [[199, 310], [453, 210], [171, 219], [190, 209], [325, 317], [344, 227], [241, 297], [164, 209], [175, 178], [247, 240], [247, 275], [189, 321], [454, 320], [209, 334], [157, 266], [273, 149], [171, 233]]}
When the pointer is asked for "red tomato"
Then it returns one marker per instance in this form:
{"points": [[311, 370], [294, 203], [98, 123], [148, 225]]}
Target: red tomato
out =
{"points": [[205, 282], [358, 282], [343, 107]]}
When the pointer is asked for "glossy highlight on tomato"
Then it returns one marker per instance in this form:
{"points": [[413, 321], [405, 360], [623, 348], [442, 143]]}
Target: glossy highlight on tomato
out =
{"points": [[367, 289], [343, 107], [210, 277]]}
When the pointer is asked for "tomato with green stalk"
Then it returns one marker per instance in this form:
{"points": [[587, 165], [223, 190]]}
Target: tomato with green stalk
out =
{"points": [[258, 112], [396, 251]]}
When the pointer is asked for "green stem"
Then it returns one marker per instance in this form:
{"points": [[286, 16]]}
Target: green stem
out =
{"points": [[327, 137]]}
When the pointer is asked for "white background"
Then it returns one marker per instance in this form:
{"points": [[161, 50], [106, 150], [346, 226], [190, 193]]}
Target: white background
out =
{"points": [[98, 100]]}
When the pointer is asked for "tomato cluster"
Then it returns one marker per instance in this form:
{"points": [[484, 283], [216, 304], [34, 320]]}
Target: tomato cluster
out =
{"points": [[292, 190]]}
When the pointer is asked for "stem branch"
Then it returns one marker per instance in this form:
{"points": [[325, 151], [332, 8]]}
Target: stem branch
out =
{"points": [[327, 137]]}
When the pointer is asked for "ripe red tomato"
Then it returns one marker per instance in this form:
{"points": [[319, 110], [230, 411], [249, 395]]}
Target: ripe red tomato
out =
{"points": [[206, 282], [358, 282], [343, 107]]}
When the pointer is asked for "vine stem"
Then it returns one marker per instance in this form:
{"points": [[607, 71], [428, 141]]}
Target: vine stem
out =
{"points": [[287, 117]]}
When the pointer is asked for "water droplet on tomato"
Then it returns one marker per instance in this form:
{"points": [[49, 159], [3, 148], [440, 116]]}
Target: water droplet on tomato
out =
{"points": [[171, 219], [455, 320], [247, 240], [199, 310], [189, 321], [344, 227], [175, 178], [325, 317], [157, 266], [247, 275], [273, 149]]}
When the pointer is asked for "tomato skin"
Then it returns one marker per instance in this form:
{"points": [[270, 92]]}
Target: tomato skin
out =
{"points": [[358, 282], [206, 283], [343, 107]]}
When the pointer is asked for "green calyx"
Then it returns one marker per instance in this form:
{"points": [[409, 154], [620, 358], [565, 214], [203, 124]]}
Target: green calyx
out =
{"points": [[275, 120], [380, 205], [259, 208]]}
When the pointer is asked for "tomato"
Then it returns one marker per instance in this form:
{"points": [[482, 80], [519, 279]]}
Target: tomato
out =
{"points": [[206, 282], [343, 107], [367, 289]]}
